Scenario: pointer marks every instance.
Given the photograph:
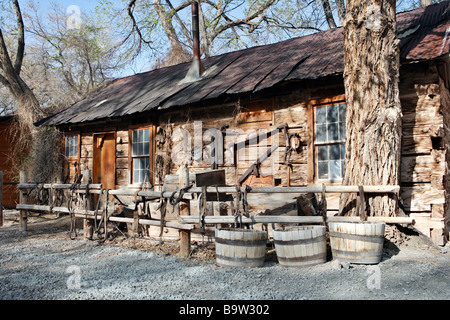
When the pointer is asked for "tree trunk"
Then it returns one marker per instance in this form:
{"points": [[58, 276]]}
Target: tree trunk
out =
{"points": [[340, 4], [177, 54], [328, 14], [373, 144], [424, 3]]}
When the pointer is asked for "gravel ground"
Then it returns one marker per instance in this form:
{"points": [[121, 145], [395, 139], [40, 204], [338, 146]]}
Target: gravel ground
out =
{"points": [[47, 265]]}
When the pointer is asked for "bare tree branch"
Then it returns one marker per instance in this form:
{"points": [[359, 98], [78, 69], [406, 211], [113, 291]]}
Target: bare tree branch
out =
{"points": [[20, 40], [130, 9], [328, 14], [244, 21], [183, 27]]}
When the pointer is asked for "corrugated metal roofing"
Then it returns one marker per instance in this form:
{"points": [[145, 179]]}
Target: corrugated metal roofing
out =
{"points": [[424, 34]]}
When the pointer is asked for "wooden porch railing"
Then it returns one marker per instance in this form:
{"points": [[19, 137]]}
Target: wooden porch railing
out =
{"points": [[184, 194]]}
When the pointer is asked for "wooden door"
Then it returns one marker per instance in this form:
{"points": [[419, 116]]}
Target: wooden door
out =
{"points": [[105, 160]]}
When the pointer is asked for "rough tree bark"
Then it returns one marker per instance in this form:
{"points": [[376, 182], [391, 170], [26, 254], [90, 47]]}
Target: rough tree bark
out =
{"points": [[372, 150], [340, 4]]}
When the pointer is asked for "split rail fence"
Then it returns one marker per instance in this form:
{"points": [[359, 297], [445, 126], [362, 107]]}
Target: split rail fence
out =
{"points": [[186, 223]]}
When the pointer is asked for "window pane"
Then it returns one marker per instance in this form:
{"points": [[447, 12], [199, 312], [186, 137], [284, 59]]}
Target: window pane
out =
{"points": [[145, 163], [135, 149], [333, 134], [342, 168], [335, 169], [322, 169], [322, 153], [321, 114], [335, 152], [141, 170], [140, 143], [321, 133], [342, 131], [71, 146], [145, 148], [332, 114], [145, 135], [342, 151], [342, 109]]}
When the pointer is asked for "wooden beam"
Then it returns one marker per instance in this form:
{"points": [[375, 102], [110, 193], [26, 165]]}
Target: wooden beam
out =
{"points": [[252, 219], [388, 220], [260, 160], [22, 206], [312, 189], [23, 185], [292, 219]]}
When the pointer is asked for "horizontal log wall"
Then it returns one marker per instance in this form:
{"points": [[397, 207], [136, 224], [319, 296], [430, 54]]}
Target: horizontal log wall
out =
{"points": [[424, 166]]}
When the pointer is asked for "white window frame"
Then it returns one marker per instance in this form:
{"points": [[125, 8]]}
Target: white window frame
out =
{"points": [[327, 141]]}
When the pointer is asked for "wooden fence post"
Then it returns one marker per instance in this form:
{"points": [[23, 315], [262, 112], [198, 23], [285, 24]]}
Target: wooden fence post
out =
{"points": [[1, 198], [23, 200], [88, 230], [185, 235]]}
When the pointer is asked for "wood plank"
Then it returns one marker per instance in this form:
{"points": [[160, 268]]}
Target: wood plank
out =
{"points": [[253, 219], [389, 220], [418, 198], [416, 168]]}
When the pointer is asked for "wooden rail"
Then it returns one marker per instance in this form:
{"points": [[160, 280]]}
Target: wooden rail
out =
{"points": [[185, 222]]}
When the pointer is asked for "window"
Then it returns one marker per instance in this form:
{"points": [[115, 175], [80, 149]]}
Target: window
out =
{"points": [[71, 146], [141, 155], [330, 141]]}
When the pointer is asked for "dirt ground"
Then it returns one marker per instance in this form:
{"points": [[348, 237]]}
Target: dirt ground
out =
{"points": [[34, 266]]}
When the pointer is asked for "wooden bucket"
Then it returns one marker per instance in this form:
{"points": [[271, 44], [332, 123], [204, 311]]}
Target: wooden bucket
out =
{"points": [[300, 245], [357, 242], [240, 247]]}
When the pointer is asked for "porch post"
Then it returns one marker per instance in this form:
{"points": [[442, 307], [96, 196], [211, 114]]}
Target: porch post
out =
{"points": [[23, 200], [185, 235]]}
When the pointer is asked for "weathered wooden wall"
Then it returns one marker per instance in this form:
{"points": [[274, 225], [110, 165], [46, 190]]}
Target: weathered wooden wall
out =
{"points": [[10, 192], [425, 153]]}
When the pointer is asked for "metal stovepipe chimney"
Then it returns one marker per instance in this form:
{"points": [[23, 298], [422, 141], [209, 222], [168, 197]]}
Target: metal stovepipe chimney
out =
{"points": [[196, 70]]}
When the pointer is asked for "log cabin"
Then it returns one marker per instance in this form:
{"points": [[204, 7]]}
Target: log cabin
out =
{"points": [[271, 115]]}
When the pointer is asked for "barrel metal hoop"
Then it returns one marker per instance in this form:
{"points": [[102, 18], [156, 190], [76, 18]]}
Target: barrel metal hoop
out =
{"points": [[358, 237], [300, 241], [365, 254], [238, 259], [242, 243], [318, 256]]}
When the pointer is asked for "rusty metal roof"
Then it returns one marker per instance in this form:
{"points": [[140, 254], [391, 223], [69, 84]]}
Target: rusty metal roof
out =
{"points": [[424, 35]]}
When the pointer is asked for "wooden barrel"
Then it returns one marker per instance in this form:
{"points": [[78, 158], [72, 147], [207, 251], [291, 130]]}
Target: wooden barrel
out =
{"points": [[357, 242], [240, 247], [300, 245]]}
